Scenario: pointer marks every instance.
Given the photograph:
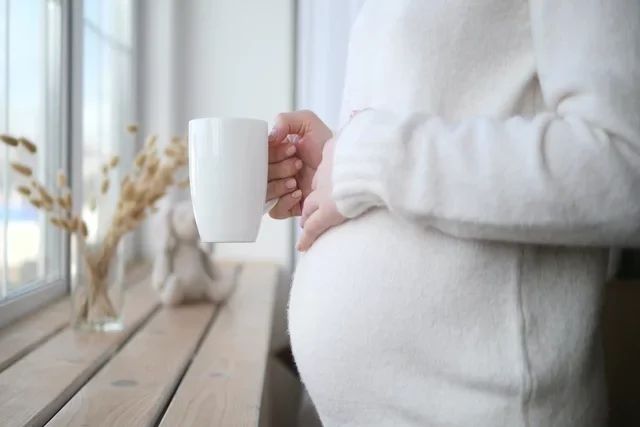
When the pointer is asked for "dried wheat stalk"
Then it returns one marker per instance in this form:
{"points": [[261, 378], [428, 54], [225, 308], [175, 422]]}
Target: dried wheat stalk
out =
{"points": [[149, 181]]}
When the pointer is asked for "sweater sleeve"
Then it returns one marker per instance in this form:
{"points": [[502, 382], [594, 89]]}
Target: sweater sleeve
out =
{"points": [[567, 176]]}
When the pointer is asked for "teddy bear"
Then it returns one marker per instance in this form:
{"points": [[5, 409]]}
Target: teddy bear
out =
{"points": [[183, 268]]}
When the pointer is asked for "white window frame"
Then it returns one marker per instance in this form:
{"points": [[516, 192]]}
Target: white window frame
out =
{"points": [[38, 294], [41, 292]]}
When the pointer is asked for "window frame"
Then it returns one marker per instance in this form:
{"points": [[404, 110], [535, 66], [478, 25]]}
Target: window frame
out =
{"points": [[41, 293], [126, 147]]}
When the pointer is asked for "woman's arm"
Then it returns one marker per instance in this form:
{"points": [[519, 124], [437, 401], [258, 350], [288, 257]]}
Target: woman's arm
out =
{"points": [[568, 176]]}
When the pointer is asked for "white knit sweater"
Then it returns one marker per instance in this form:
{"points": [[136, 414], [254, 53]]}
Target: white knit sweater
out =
{"points": [[498, 158]]}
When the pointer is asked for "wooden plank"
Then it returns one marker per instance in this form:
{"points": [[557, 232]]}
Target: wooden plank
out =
{"points": [[34, 388], [21, 337], [134, 387], [224, 385]]}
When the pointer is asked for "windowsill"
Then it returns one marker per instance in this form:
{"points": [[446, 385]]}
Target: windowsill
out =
{"points": [[192, 359], [47, 315], [16, 308]]}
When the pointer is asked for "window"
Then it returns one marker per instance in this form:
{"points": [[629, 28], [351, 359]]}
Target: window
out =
{"points": [[31, 251], [107, 103], [41, 71]]}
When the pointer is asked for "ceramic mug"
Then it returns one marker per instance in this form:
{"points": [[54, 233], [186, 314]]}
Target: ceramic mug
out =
{"points": [[228, 167]]}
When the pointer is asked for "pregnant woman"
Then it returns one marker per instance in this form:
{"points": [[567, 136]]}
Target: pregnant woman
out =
{"points": [[455, 229]]}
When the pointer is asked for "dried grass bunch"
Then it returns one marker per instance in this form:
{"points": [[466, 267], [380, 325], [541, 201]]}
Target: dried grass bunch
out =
{"points": [[151, 177]]}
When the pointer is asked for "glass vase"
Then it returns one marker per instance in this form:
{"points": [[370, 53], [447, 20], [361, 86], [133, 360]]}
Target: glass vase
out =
{"points": [[97, 287]]}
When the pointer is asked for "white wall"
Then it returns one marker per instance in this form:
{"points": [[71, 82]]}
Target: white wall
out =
{"points": [[156, 84]]}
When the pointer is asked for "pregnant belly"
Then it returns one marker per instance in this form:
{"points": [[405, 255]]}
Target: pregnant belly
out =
{"points": [[388, 316], [378, 300]]}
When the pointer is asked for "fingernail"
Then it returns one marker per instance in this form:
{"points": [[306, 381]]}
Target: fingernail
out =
{"points": [[299, 247], [291, 183], [272, 134], [298, 164], [290, 150], [297, 194]]}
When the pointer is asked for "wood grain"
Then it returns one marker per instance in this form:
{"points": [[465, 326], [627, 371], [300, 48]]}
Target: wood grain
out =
{"points": [[34, 388], [224, 385], [21, 337], [133, 388]]}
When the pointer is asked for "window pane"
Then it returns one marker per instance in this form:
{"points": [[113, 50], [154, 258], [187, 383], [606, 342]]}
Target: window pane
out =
{"points": [[30, 98], [92, 126], [116, 21], [111, 19], [107, 110], [92, 9]]}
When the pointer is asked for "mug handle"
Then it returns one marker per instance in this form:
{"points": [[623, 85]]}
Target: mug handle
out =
{"points": [[269, 205]]}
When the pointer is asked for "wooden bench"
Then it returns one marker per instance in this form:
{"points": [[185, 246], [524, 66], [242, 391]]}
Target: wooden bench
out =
{"points": [[187, 366]]}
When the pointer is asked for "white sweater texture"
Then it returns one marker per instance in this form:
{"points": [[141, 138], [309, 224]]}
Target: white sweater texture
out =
{"points": [[496, 159]]}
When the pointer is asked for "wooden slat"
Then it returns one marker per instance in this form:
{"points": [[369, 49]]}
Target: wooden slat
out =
{"points": [[34, 388], [224, 385], [133, 388], [18, 339]]}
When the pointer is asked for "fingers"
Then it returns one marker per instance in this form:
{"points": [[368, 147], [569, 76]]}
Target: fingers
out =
{"points": [[287, 206], [310, 206], [280, 152], [313, 228], [281, 183], [280, 187], [296, 210], [284, 169], [295, 123]]}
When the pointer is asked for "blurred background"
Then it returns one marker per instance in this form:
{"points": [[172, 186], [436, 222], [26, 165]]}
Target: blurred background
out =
{"points": [[74, 73]]}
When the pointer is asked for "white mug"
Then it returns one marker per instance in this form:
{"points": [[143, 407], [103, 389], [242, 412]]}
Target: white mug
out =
{"points": [[228, 167]]}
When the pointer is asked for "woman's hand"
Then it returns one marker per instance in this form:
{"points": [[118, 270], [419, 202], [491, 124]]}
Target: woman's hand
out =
{"points": [[295, 151], [319, 212], [281, 182]]}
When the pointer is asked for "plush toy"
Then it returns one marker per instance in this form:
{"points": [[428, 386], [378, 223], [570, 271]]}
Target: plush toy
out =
{"points": [[183, 270]]}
